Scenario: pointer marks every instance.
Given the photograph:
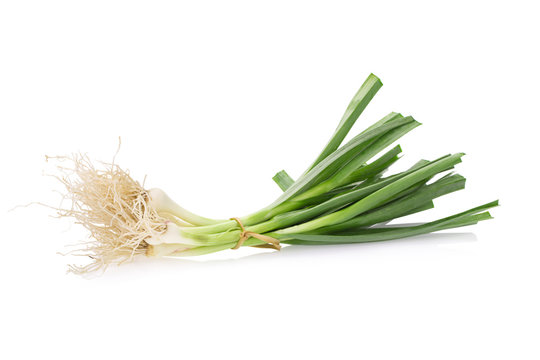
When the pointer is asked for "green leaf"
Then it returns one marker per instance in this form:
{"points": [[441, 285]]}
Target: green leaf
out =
{"points": [[469, 217], [377, 198], [376, 167], [283, 180], [357, 105], [405, 206], [329, 166]]}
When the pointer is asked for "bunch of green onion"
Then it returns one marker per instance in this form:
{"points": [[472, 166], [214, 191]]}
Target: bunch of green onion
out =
{"points": [[341, 198]]}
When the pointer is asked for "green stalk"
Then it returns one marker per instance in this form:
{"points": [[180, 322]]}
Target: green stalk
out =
{"points": [[328, 166], [377, 198], [357, 105], [400, 233], [465, 218], [283, 180], [299, 216], [376, 167], [376, 179], [286, 214], [340, 177], [417, 201]]}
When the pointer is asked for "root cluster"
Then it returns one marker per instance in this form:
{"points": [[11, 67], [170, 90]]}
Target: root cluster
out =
{"points": [[112, 206]]}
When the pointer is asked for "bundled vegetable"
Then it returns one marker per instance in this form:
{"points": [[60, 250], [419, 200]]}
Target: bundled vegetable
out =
{"points": [[341, 198]]}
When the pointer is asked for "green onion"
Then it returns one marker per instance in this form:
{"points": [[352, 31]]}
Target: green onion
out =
{"points": [[341, 198]]}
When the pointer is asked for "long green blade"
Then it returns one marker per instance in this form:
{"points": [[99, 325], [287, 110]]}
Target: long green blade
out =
{"points": [[377, 198], [465, 218], [283, 180], [333, 162], [401, 207], [385, 135], [357, 105], [394, 235], [298, 216], [375, 167]]}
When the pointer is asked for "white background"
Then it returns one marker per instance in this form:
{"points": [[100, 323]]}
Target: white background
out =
{"points": [[211, 98]]}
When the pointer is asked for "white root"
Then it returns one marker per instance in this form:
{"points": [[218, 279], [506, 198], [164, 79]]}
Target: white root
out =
{"points": [[113, 207]]}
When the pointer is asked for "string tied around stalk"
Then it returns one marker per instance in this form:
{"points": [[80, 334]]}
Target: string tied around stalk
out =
{"points": [[245, 234]]}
